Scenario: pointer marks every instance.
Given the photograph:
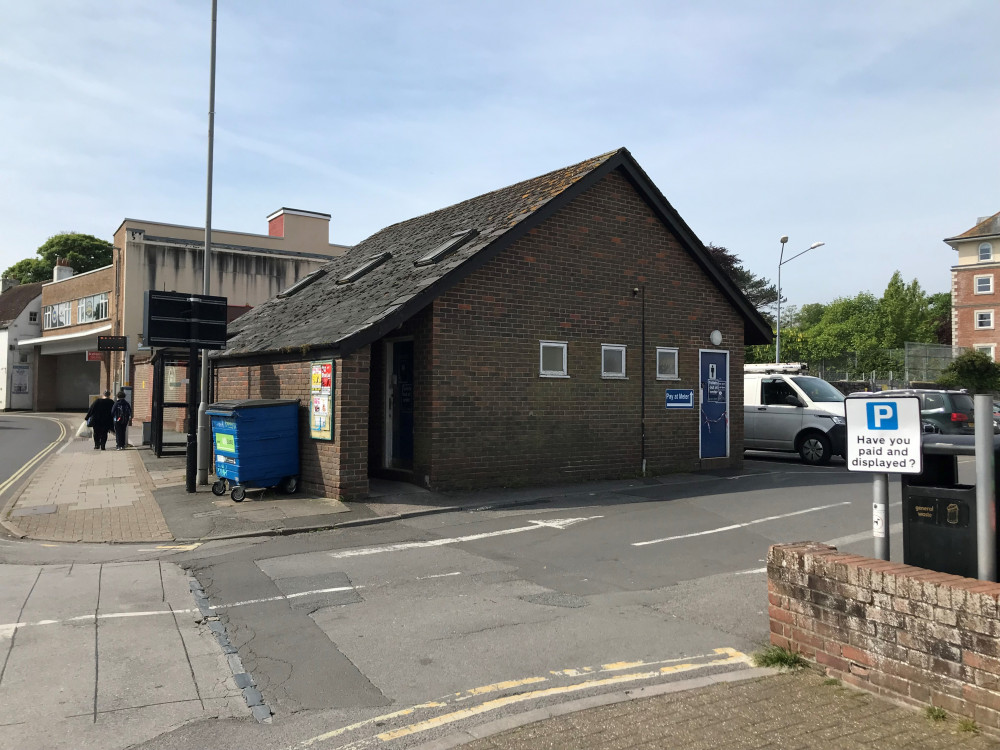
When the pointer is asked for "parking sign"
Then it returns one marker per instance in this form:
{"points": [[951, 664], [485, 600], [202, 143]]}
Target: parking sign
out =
{"points": [[883, 434]]}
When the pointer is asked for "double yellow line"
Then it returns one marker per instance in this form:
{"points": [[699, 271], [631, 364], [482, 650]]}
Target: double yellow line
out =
{"points": [[37, 457]]}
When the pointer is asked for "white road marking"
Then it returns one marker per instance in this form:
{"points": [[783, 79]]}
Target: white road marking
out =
{"points": [[559, 523], [896, 528], [6, 630], [749, 572], [38, 456], [740, 525], [439, 575]]}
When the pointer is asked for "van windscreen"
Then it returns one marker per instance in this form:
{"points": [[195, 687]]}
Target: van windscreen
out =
{"points": [[817, 389]]}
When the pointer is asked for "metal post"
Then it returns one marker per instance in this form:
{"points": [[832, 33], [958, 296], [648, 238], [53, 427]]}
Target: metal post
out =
{"points": [[642, 376], [192, 434], [777, 335], [204, 427], [986, 535], [880, 515]]}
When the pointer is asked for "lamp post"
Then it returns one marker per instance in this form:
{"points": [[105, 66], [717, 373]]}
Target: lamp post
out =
{"points": [[781, 262]]}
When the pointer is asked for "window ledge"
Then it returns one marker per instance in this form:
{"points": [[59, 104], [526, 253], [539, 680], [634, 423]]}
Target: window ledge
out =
{"points": [[668, 377], [613, 377], [548, 375]]}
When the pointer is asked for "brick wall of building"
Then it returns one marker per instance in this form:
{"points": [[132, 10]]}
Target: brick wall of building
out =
{"points": [[910, 634], [77, 287], [494, 421], [966, 303], [335, 468]]}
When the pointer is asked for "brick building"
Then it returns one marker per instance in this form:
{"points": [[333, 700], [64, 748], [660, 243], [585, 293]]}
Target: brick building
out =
{"points": [[77, 308], [974, 277], [532, 334]]}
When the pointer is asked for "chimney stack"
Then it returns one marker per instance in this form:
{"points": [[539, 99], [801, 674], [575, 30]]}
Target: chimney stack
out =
{"points": [[6, 284], [62, 270]]}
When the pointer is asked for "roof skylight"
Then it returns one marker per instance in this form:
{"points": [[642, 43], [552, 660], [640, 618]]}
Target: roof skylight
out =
{"points": [[373, 262], [303, 282], [451, 245]]}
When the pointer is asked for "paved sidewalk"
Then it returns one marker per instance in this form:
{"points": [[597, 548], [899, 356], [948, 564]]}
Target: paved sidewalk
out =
{"points": [[792, 710], [84, 495]]}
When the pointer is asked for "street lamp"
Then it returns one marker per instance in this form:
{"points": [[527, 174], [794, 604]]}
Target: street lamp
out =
{"points": [[781, 262]]}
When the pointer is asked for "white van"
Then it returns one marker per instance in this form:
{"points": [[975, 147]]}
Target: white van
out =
{"points": [[786, 410]]}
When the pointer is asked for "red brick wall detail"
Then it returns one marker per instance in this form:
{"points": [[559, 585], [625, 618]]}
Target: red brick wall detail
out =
{"points": [[966, 302], [910, 634]]}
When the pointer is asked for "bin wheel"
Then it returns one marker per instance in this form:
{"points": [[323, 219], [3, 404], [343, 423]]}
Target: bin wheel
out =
{"points": [[238, 494], [814, 449], [289, 485], [219, 487]]}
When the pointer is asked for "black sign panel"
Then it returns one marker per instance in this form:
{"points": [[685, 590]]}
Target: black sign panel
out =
{"points": [[112, 343], [180, 319]]}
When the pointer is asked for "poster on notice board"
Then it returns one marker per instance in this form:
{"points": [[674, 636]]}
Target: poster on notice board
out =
{"points": [[321, 401]]}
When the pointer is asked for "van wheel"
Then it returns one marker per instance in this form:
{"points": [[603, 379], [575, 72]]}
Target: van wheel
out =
{"points": [[814, 449]]}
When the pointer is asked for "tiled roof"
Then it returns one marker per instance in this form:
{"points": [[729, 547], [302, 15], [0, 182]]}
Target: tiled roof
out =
{"points": [[15, 299], [344, 317], [989, 227]]}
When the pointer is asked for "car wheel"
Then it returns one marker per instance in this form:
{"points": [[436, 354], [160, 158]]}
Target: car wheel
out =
{"points": [[814, 449]]}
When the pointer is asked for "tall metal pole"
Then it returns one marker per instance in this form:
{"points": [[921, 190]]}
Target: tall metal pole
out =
{"points": [[642, 376], [204, 428], [777, 336], [986, 535]]}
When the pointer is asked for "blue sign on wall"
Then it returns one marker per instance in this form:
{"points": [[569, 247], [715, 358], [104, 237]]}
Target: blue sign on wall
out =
{"points": [[680, 399]]}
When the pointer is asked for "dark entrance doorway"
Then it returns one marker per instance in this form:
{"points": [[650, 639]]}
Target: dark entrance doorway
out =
{"points": [[399, 405]]}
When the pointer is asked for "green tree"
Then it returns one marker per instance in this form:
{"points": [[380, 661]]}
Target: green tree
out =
{"points": [[83, 252], [973, 370], [760, 291], [940, 317], [906, 313]]}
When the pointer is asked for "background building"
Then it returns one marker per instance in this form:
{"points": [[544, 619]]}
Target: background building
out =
{"points": [[974, 277], [20, 317], [76, 309]]}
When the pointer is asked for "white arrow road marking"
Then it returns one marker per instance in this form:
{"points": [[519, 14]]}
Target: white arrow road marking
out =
{"points": [[557, 523], [739, 525]]}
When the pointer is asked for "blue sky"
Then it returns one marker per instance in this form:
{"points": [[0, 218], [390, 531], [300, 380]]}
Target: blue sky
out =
{"points": [[872, 126]]}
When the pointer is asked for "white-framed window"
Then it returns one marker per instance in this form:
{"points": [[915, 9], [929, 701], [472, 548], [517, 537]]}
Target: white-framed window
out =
{"points": [[58, 315], [94, 307], [985, 252], [987, 349], [984, 284], [984, 319], [552, 359], [666, 363], [32, 317], [613, 361]]}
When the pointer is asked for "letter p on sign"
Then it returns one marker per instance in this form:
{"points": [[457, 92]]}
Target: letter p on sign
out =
{"points": [[882, 416]]}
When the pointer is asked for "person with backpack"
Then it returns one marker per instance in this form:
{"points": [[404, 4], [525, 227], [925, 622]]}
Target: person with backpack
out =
{"points": [[121, 417]]}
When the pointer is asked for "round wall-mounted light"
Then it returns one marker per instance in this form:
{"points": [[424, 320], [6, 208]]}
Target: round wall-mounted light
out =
{"points": [[716, 338]]}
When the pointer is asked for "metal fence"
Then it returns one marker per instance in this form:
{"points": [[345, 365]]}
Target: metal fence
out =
{"points": [[914, 363]]}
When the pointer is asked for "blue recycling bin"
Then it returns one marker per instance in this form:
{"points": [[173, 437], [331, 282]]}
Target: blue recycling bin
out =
{"points": [[256, 444]]}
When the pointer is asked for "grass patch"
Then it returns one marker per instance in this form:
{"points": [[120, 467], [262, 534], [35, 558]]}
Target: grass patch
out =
{"points": [[776, 656], [968, 725], [831, 681], [936, 713]]}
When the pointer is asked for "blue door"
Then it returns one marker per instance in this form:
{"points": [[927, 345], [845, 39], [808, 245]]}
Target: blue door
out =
{"points": [[714, 379]]}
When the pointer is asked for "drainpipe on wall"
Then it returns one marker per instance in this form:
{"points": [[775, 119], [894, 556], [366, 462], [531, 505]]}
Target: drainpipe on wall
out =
{"points": [[641, 293]]}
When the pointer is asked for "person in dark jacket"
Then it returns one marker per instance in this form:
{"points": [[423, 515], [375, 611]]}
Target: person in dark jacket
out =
{"points": [[99, 419], [121, 417]]}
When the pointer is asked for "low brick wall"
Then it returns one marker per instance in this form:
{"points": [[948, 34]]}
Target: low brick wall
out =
{"points": [[909, 634]]}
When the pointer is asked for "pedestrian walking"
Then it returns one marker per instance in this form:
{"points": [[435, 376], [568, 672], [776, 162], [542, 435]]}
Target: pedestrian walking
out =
{"points": [[99, 419], [121, 417]]}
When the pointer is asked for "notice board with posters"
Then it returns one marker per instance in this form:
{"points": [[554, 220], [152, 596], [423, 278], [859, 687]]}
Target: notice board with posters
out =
{"points": [[321, 401]]}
